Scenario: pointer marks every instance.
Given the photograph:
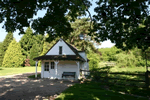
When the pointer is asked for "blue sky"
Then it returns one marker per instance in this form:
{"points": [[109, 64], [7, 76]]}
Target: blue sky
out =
{"points": [[3, 33]]}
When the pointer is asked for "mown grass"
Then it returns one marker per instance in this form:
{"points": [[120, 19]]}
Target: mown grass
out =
{"points": [[11, 71], [94, 91], [131, 84], [126, 69]]}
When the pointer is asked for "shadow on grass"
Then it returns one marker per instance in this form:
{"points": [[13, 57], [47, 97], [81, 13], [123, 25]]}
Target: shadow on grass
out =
{"points": [[94, 90], [127, 82]]}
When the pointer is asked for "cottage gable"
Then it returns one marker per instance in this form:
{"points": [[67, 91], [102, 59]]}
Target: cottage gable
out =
{"points": [[60, 48]]}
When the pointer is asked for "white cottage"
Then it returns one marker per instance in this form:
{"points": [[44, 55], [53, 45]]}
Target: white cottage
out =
{"points": [[62, 60]]}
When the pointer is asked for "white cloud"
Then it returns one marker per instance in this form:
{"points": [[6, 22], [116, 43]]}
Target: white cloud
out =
{"points": [[106, 44]]}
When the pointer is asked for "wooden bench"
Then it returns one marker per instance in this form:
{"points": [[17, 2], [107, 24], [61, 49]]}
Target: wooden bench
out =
{"points": [[69, 74]]}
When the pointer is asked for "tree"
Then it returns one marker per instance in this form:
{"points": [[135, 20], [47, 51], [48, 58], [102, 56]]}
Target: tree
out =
{"points": [[1, 60], [34, 52], [27, 41], [117, 20], [124, 22], [79, 37], [13, 56], [20, 14], [5, 44]]}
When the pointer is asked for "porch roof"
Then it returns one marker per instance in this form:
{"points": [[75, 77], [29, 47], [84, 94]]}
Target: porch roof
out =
{"points": [[60, 57]]}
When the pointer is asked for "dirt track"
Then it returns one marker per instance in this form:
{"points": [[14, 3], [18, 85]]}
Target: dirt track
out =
{"points": [[19, 87]]}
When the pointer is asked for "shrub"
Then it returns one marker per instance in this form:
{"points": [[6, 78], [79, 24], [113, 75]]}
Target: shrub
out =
{"points": [[93, 63]]}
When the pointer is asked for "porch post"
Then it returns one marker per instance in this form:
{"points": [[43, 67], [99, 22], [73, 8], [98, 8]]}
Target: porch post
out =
{"points": [[36, 69], [78, 64], [56, 62]]}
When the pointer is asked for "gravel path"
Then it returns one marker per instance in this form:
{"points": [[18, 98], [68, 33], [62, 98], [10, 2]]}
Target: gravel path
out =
{"points": [[19, 87]]}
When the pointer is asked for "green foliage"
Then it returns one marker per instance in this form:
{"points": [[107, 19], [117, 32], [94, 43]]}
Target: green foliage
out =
{"points": [[34, 52], [4, 46], [33, 76], [123, 22], [94, 60], [13, 56], [27, 41], [81, 27], [108, 54], [18, 15], [130, 58]]}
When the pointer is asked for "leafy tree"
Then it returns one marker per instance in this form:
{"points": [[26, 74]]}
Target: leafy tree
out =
{"points": [[20, 14], [123, 22], [5, 44], [79, 37], [13, 56], [34, 52], [117, 20], [27, 41]]}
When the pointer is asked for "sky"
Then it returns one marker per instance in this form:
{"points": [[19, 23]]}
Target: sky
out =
{"points": [[3, 33]]}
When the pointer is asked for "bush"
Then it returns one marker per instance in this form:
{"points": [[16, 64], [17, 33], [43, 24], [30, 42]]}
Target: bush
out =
{"points": [[93, 63]]}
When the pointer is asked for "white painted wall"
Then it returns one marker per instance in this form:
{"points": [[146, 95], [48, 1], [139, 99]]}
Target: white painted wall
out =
{"points": [[85, 65], [67, 66], [65, 49], [63, 66]]}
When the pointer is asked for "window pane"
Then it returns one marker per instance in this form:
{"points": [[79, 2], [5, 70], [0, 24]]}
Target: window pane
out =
{"points": [[46, 66], [60, 49], [52, 65]]}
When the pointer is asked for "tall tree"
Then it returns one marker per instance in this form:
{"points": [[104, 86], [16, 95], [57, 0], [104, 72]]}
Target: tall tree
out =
{"points": [[34, 52], [117, 20], [5, 44], [19, 14], [80, 36], [123, 22], [27, 41], [13, 56]]}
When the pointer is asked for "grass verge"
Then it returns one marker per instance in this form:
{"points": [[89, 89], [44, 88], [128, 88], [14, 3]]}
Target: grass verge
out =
{"points": [[11, 71]]}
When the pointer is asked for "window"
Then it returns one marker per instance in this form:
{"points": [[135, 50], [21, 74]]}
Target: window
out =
{"points": [[46, 67], [52, 65], [60, 50]]}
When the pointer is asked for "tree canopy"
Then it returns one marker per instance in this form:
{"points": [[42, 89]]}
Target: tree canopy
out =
{"points": [[124, 22]]}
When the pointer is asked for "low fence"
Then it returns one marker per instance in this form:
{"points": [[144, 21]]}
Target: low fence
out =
{"points": [[139, 78]]}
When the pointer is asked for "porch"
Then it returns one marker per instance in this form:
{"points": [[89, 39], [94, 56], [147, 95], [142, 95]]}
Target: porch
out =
{"points": [[53, 69]]}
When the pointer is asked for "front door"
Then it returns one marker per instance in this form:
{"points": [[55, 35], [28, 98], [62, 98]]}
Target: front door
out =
{"points": [[52, 70], [46, 70]]}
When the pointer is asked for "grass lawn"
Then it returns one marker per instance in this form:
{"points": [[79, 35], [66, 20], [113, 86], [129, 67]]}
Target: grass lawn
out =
{"points": [[134, 69], [11, 71], [94, 91]]}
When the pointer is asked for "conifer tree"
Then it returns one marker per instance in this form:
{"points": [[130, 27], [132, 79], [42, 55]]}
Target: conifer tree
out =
{"points": [[13, 56], [5, 44], [34, 52], [26, 41]]}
